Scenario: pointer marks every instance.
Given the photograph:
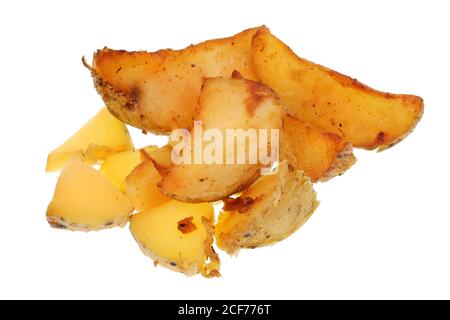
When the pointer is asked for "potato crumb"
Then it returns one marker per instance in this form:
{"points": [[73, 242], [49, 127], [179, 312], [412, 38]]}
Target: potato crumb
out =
{"points": [[186, 225]]}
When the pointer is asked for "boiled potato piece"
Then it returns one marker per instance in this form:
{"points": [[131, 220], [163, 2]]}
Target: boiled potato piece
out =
{"points": [[161, 157], [321, 155], [178, 236], [85, 200], [158, 91], [99, 137], [141, 185], [118, 166], [225, 104], [269, 211], [333, 102]]}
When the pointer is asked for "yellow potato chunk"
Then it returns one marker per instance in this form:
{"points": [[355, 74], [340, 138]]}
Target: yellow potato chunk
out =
{"points": [[99, 137], [178, 236], [85, 200], [141, 185], [118, 166]]}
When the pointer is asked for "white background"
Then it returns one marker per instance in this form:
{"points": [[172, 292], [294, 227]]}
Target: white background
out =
{"points": [[381, 231]]}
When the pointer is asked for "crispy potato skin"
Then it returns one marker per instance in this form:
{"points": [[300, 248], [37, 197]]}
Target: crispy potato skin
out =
{"points": [[321, 155], [282, 203], [333, 102], [255, 106], [158, 91]]}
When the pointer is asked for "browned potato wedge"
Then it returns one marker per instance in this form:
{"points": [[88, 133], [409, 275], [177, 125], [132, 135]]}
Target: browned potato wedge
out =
{"points": [[224, 104], [269, 211], [158, 91], [321, 155], [332, 102]]}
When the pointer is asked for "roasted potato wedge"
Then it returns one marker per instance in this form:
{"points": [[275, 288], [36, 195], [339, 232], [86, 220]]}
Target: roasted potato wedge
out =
{"points": [[225, 104], [85, 200], [269, 211], [332, 102], [100, 137], [178, 236], [158, 91], [321, 155]]}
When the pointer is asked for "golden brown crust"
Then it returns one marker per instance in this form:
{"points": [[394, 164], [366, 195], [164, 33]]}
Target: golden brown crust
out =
{"points": [[124, 105], [331, 101], [157, 91]]}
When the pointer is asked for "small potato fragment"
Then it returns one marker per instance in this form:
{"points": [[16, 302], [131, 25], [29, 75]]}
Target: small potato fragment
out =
{"points": [[225, 104], [141, 185], [178, 236], [269, 211], [333, 102], [158, 91], [99, 137], [161, 157], [118, 166], [321, 155], [85, 200]]}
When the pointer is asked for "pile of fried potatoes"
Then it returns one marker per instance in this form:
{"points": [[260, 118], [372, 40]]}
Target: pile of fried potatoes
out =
{"points": [[250, 81]]}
